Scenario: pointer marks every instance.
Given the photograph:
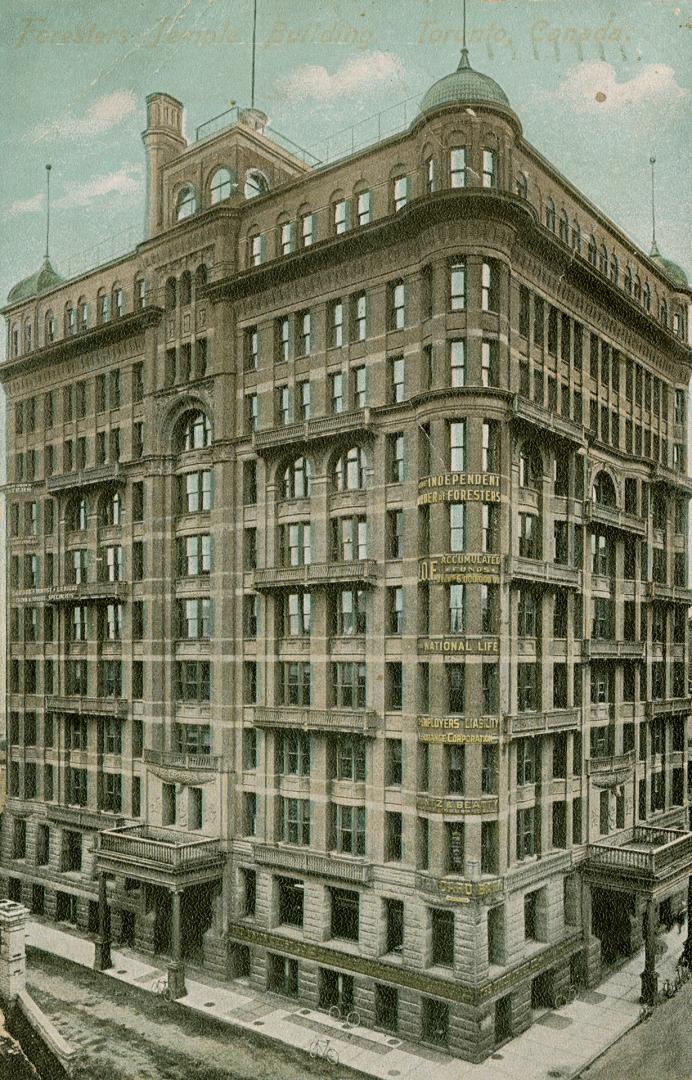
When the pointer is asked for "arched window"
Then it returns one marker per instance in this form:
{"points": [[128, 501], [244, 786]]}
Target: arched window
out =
{"points": [[576, 236], [637, 288], [111, 511], [171, 293], [664, 312], [593, 251], [530, 467], [297, 479], [603, 260], [256, 184], [103, 307], [201, 276], [614, 269], [70, 319], [77, 516], [187, 203], [603, 490], [140, 293], [185, 288], [350, 470], [550, 215], [49, 327], [221, 186], [564, 227], [15, 340], [628, 280], [82, 313], [647, 296], [27, 336], [118, 301], [522, 186], [194, 431]]}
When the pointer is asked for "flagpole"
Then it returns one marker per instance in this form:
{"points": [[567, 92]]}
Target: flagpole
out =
{"points": [[254, 49], [48, 168]]}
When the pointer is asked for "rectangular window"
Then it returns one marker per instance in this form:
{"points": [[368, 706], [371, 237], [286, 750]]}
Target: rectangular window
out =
{"points": [[489, 168], [336, 324], [457, 285], [457, 445], [397, 379], [490, 363], [457, 362], [489, 286], [457, 167]]}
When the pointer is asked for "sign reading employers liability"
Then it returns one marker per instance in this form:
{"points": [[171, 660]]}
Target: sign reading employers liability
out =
{"points": [[459, 487], [458, 729]]}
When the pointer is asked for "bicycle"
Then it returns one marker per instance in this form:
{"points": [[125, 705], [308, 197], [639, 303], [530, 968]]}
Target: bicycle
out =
{"points": [[322, 1048], [160, 988], [566, 997], [351, 1016]]}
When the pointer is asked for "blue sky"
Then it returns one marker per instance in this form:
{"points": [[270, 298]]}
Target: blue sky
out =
{"points": [[74, 76]]}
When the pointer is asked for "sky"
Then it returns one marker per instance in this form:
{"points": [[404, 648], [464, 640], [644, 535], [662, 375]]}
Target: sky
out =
{"points": [[599, 86]]}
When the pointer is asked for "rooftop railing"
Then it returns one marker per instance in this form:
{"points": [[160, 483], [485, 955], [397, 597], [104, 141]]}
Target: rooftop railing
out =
{"points": [[162, 847]]}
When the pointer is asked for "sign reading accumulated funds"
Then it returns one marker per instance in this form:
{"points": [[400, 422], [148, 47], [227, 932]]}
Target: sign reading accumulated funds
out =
{"points": [[459, 487], [460, 568]]}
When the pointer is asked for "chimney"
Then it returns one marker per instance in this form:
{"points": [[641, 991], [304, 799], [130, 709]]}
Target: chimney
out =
{"points": [[163, 141]]}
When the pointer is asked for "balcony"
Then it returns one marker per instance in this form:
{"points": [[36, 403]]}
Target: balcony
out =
{"points": [[656, 590], [643, 852], [542, 573], [79, 817], [160, 855], [598, 514], [667, 706], [93, 706], [547, 420], [593, 649], [276, 439], [88, 590], [83, 478], [662, 475], [357, 721], [284, 577], [518, 724], [173, 759], [611, 770], [301, 861]]}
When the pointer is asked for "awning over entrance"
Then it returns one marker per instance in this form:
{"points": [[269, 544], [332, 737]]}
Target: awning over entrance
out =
{"points": [[159, 856]]}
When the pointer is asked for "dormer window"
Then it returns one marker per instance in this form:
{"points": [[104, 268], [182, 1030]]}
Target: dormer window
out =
{"points": [[256, 184], [363, 208], [400, 192], [187, 203], [221, 186]]}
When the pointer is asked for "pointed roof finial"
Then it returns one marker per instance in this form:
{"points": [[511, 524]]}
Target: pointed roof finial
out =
{"points": [[464, 63], [654, 245], [48, 168]]}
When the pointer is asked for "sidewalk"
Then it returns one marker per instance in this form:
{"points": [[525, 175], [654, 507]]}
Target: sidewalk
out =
{"points": [[560, 1043]]}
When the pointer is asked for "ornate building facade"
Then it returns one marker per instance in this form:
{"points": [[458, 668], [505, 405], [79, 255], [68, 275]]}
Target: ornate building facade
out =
{"points": [[348, 576]]}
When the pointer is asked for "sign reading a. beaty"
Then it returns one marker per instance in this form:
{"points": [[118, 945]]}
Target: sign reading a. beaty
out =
{"points": [[458, 729], [459, 487], [463, 645], [460, 568]]}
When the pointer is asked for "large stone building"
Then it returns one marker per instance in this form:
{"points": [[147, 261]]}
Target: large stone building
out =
{"points": [[348, 575]]}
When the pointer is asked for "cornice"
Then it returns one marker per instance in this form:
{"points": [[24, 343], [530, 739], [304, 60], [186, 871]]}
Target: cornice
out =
{"points": [[105, 334]]}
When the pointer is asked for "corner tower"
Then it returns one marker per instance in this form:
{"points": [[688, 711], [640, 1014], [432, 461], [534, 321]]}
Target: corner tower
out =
{"points": [[163, 140]]}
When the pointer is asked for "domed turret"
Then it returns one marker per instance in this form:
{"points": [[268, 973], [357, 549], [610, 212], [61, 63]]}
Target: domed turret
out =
{"points": [[43, 279], [675, 274], [464, 87]]}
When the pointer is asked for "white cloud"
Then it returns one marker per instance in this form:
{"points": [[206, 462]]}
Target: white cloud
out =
{"points": [[126, 181], [103, 115], [28, 206], [593, 86], [361, 73]]}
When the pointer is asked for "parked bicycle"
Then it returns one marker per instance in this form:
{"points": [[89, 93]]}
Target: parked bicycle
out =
{"points": [[351, 1016], [322, 1048], [566, 997], [160, 988]]}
